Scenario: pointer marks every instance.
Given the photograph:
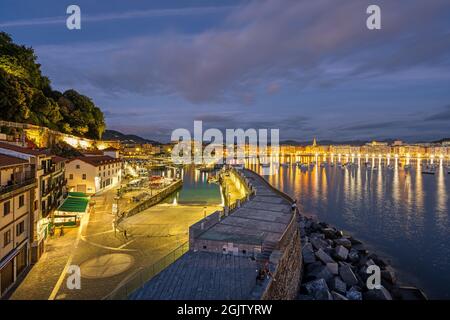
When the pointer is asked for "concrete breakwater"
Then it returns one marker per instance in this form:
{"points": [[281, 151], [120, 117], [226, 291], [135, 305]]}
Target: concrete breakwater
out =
{"points": [[227, 252], [335, 268]]}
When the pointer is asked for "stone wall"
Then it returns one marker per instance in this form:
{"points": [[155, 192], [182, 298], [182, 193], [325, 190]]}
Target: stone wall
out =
{"points": [[286, 266], [44, 137], [155, 199]]}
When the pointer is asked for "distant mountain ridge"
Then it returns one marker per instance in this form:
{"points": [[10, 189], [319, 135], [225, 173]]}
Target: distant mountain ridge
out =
{"points": [[324, 142], [127, 138]]}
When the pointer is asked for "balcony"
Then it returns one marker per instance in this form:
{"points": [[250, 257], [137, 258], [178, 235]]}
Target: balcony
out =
{"points": [[11, 186]]}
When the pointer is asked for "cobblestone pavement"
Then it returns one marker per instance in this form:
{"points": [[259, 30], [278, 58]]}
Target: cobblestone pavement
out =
{"points": [[150, 235]]}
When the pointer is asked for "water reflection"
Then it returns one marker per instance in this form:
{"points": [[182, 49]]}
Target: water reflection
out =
{"points": [[388, 203]]}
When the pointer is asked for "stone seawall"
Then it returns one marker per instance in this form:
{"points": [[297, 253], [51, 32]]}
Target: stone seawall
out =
{"points": [[254, 252], [285, 262], [155, 199], [285, 282]]}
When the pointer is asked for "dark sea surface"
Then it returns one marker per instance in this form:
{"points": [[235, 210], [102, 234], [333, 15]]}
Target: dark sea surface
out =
{"points": [[400, 214]]}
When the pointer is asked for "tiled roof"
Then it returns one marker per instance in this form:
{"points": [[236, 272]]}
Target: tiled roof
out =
{"points": [[7, 161], [12, 147], [91, 152], [97, 160], [57, 159]]}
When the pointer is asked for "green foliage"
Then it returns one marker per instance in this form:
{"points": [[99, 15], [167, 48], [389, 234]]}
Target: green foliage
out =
{"points": [[26, 96]]}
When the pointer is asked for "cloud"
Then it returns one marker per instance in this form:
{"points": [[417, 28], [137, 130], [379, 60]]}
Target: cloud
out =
{"points": [[174, 12], [303, 43], [440, 116]]}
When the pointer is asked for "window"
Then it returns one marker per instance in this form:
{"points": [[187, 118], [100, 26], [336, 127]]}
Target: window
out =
{"points": [[6, 238], [77, 166], [71, 176], [6, 208], [20, 228], [21, 201], [84, 176]]}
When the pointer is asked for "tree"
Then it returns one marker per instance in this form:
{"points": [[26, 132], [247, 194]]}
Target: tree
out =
{"points": [[27, 96]]}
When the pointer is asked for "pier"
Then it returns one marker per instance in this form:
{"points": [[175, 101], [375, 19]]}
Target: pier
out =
{"points": [[228, 249]]}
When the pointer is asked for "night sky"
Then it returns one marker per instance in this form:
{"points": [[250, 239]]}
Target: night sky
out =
{"points": [[309, 68]]}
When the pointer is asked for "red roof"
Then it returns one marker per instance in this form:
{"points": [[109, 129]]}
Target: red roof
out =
{"points": [[57, 159], [93, 152], [12, 147], [8, 161], [97, 160]]}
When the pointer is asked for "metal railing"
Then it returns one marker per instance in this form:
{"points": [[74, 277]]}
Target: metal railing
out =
{"points": [[17, 185], [145, 274]]}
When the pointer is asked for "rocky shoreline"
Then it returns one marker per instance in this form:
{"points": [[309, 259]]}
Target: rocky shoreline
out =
{"points": [[335, 267]]}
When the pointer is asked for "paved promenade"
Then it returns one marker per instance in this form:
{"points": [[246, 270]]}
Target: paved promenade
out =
{"points": [[210, 275], [106, 257]]}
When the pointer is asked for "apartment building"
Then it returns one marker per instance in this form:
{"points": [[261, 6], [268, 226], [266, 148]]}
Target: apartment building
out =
{"points": [[93, 174], [48, 193], [17, 185]]}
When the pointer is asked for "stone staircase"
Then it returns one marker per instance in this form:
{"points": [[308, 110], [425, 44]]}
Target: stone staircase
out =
{"points": [[267, 249]]}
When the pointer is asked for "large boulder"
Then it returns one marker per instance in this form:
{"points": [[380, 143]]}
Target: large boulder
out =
{"points": [[310, 267], [319, 243], [353, 294], [353, 256], [317, 235], [330, 233], [347, 275], [341, 253], [343, 242], [409, 293], [320, 272], [308, 254], [333, 267], [377, 294], [324, 257], [338, 285], [318, 289], [388, 274], [337, 296]]}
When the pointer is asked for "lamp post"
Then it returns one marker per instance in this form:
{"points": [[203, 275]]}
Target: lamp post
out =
{"points": [[116, 218]]}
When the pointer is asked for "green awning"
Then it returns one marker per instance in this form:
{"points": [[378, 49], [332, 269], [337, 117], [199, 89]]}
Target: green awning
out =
{"points": [[74, 204], [77, 194]]}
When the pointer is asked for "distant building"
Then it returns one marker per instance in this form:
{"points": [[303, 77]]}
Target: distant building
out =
{"points": [[111, 152], [17, 184], [91, 153], [93, 174]]}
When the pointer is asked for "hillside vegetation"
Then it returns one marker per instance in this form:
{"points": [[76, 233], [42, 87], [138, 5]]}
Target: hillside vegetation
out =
{"points": [[27, 96]]}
